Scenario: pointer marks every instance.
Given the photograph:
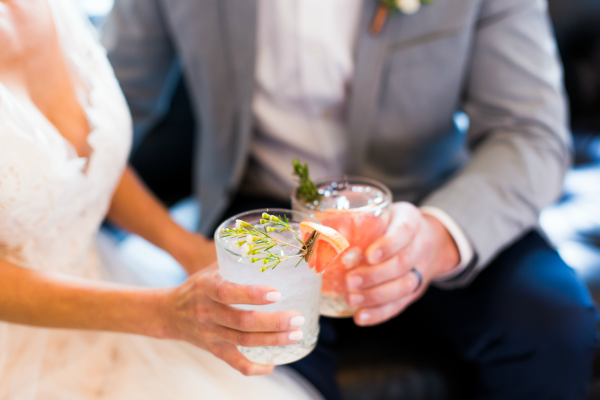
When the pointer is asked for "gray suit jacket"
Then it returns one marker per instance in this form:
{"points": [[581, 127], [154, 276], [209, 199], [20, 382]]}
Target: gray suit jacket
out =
{"points": [[494, 59]]}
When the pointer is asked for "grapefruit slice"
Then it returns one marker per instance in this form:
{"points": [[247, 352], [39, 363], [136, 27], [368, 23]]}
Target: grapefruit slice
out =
{"points": [[328, 247], [361, 230]]}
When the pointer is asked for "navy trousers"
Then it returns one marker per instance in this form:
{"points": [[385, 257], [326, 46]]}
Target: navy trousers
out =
{"points": [[526, 327]]}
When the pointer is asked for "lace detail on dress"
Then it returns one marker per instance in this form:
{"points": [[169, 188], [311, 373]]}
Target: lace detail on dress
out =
{"points": [[51, 201]]}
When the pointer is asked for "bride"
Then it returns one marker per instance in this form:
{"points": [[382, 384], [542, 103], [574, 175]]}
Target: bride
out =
{"points": [[66, 333]]}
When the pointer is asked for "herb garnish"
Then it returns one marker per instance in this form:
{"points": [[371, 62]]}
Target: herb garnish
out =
{"points": [[256, 242], [307, 190]]}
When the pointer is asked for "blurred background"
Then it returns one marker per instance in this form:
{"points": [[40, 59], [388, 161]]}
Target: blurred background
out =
{"points": [[572, 224]]}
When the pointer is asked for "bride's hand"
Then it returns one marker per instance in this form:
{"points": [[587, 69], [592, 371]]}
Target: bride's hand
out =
{"points": [[199, 312]]}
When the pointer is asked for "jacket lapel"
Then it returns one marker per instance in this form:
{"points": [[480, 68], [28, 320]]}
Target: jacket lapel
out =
{"points": [[240, 19], [216, 42], [370, 56]]}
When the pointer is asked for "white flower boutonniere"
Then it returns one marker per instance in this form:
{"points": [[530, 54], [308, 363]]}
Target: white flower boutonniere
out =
{"points": [[386, 6], [408, 6]]}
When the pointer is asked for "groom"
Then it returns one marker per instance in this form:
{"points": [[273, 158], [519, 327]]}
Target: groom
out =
{"points": [[388, 98]]}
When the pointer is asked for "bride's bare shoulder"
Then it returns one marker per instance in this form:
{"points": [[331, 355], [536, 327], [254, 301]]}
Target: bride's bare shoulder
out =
{"points": [[24, 26]]}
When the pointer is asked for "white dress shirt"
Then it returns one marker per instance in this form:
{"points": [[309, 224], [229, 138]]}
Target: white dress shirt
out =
{"points": [[304, 66]]}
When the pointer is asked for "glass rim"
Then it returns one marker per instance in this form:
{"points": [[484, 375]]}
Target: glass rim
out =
{"points": [[360, 179], [217, 238]]}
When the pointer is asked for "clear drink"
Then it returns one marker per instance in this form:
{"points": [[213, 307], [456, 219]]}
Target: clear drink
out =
{"points": [[300, 286], [359, 209]]}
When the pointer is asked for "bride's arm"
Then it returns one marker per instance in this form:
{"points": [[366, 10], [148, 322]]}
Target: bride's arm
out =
{"points": [[196, 312], [135, 209], [53, 300]]}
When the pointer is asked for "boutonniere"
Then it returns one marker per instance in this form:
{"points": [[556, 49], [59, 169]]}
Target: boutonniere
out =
{"points": [[391, 6]]}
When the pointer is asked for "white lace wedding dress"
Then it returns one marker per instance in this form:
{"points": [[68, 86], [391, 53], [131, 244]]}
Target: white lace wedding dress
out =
{"points": [[51, 205]]}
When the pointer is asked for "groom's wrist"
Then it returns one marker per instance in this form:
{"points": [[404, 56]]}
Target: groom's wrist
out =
{"points": [[447, 254]]}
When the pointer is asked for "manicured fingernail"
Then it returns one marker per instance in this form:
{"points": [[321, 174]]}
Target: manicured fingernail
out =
{"points": [[297, 321], [356, 299], [296, 335], [351, 257], [364, 317], [375, 256], [273, 296], [354, 281]]}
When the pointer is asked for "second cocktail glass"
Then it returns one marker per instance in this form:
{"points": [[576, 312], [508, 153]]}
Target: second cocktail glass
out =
{"points": [[359, 209]]}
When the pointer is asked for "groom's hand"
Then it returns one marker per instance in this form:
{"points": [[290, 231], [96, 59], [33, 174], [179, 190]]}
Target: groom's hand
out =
{"points": [[199, 312], [385, 287]]}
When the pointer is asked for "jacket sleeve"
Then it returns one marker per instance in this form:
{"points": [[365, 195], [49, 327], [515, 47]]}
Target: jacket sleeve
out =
{"points": [[144, 60], [518, 134]]}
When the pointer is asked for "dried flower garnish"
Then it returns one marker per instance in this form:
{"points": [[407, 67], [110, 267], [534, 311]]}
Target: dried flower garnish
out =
{"points": [[257, 243]]}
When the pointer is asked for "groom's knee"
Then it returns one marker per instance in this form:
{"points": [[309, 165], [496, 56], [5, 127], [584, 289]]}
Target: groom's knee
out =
{"points": [[558, 343], [565, 338], [543, 328]]}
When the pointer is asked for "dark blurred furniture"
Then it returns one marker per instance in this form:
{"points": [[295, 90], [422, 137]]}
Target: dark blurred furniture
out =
{"points": [[164, 157], [577, 28]]}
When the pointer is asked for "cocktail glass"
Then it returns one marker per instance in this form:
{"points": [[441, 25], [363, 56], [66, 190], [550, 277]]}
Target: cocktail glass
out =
{"points": [[300, 286], [359, 209]]}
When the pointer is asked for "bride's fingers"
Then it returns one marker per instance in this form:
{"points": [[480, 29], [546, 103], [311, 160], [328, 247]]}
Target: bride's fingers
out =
{"points": [[232, 356], [225, 292], [257, 321], [258, 339]]}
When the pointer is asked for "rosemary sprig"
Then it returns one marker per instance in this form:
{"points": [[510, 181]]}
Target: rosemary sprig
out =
{"points": [[307, 190], [253, 241]]}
